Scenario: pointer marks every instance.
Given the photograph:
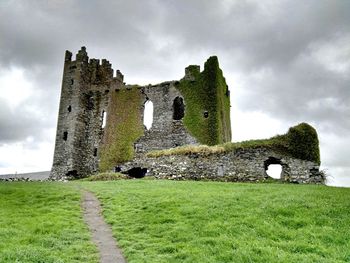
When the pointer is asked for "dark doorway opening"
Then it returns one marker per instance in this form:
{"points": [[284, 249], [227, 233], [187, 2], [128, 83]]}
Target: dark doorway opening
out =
{"points": [[178, 108], [136, 172]]}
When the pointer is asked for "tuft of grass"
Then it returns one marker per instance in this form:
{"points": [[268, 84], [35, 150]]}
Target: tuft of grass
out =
{"points": [[300, 141], [106, 177], [42, 222], [188, 149], [167, 221]]}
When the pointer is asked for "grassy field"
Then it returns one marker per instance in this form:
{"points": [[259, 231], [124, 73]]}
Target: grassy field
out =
{"points": [[167, 221], [42, 222]]}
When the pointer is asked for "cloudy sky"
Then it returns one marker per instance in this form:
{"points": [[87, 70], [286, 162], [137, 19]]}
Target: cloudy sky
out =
{"points": [[285, 62]]}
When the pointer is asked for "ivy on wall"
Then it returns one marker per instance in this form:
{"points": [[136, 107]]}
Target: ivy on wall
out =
{"points": [[207, 100], [124, 126]]}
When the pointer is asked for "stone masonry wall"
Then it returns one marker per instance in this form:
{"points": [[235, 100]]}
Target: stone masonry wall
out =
{"points": [[239, 165], [165, 131], [84, 97], [86, 94]]}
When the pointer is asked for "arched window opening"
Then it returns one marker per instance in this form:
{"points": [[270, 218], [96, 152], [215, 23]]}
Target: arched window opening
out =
{"points": [[65, 136], [104, 119], [148, 114], [69, 108], [178, 108], [273, 167], [274, 171]]}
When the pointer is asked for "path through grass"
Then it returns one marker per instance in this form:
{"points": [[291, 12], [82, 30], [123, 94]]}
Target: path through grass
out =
{"points": [[167, 221]]}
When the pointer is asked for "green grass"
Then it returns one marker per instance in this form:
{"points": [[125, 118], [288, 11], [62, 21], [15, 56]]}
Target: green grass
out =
{"points": [[109, 176], [167, 221], [42, 222]]}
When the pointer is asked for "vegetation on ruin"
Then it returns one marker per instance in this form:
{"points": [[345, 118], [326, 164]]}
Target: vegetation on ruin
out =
{"points": [[42, 222], [172, 221], [124, 127], [107, 176], [207, 93], [300, 141]]}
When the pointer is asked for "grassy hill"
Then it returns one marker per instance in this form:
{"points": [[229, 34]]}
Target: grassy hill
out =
{"points": [[169, 221]]}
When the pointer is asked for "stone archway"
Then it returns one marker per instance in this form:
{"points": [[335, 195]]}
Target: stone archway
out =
{"points": [[285, 169]]}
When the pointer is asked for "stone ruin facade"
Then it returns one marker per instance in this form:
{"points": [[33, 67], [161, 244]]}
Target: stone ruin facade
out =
{"points": [[100, 127]]}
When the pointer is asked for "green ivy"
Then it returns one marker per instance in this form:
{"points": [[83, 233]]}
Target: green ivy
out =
{"points": [[124, 127], [208, 92]]}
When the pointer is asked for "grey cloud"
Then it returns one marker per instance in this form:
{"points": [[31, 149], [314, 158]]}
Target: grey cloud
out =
{"points": [[21, 123], [271, 44]]}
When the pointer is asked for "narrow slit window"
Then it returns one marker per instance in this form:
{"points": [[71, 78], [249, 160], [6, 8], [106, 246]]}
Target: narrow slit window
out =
{"points": [[69, 108], [148, 114], [104, 119], [65, 136]]}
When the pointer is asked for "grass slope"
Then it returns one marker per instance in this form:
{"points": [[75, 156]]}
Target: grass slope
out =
{"points": [[41, 222], [167, 221]]}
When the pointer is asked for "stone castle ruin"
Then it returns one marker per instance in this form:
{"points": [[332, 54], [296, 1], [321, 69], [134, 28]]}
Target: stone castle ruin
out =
{"points": [[100, 128]]}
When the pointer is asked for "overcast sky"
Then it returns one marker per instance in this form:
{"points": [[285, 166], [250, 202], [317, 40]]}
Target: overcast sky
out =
{"points": [[285, 62]]}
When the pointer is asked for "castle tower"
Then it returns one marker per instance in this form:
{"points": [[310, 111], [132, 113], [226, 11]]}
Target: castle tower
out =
{"points": [[84, 98]]}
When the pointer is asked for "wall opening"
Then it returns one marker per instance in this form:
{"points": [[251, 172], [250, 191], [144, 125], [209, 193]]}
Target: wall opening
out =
{"points": [[136, 172], [65, 136], [72, 174], [69, 108], [206, 114], [95, 152], [90, 102], [274, 171], [104, 119], [273, 167], [178, 108], [148, 114]]}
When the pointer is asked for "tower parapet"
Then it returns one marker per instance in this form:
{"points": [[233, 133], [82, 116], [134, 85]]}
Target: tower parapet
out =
{"points": [[191, 72]]}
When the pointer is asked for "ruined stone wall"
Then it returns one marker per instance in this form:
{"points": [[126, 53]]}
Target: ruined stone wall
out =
{"points": [[90, 89], [84, 97], [166, 132], [239, 165]]}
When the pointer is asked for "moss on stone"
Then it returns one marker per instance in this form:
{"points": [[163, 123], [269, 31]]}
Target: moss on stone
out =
{"points": [[208, 92], [300, 142], [124, 127]]}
